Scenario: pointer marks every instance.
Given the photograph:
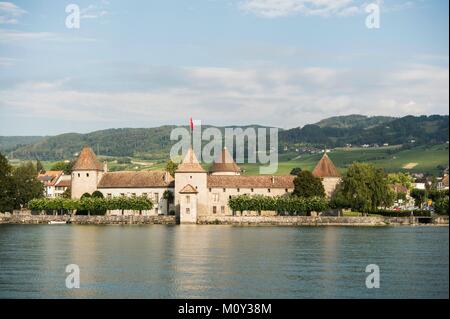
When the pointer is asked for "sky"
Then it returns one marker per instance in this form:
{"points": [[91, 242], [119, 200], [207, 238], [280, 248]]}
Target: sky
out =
{"points": [[281, 63]]}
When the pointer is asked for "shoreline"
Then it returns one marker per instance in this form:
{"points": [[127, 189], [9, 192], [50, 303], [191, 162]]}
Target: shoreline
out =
{"points": [[278, 221]]}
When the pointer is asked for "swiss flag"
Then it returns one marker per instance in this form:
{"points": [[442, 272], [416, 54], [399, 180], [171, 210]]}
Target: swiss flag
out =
{"points": [[191, 123]]}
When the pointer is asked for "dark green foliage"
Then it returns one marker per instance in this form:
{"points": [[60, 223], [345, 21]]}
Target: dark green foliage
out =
{"points": [[441, 206], [285, 204], [25, 185], [39, 167], [171, 167], [94, 205], [307, 185], [63, 166], [364, 188], [6, 192], [295, 171], [402, 213]]}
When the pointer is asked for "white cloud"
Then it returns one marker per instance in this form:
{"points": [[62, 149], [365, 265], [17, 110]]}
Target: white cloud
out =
{"points": [[95, 11], [323, 8], [10, 13], [223, 96]]}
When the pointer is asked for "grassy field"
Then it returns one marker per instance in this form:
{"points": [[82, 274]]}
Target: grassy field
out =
{"points": [[424, 159], [392, 159]]}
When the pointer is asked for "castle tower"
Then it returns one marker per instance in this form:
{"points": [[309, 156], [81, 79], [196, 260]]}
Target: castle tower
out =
{"points": [[330, 175], [190, 189], [225, 165], [86, 173]]}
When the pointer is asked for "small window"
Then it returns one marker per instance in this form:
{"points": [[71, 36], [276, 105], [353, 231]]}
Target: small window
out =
{"points": [[238, 190], [188, 199], [210, 190], [268, 190], [222, 210], [87, 174], [156, 211], [190, 177], [252, 190], [156, 197], [133, 194], [224, 190], [79, 175], [214, 209], [286, 190], [122, 194], [188, 210], [216, 197], [109, 195], [144, 194]]}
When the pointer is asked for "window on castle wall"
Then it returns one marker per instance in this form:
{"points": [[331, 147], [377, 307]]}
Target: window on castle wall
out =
{"points": [[87, 174], [238, 190], [268, 190], [224, 190], [222, 210], [188, 199], [214, 209], [252, 190], [286, 190], [79, 175], [188, 210]]}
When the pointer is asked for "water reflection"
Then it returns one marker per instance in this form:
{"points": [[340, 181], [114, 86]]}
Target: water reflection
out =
{"points": [[222, 261]]}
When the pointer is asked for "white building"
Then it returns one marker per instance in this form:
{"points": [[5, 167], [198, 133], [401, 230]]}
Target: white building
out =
{"points": [[196, 192]]}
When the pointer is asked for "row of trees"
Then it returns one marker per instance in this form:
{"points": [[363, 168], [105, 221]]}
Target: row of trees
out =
{"points": [[18, 185], [286, 204], [94, 205]]}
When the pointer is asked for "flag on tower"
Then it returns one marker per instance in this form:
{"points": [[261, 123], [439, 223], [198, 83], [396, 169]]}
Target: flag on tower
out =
{"points": [[191, 123]]}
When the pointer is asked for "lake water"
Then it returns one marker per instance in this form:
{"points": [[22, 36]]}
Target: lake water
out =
{"points": [[223, 261]]}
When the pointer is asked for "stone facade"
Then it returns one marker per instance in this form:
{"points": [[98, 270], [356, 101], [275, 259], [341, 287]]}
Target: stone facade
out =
{"points": [[196, 192]]}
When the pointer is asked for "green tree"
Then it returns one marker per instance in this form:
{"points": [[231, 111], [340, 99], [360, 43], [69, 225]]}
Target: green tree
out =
{"points": [[364, 188], [25, 185], [295, 171], [171, 167], [39, 167], [63, 166], [307, 185], [403, 179], [6, 198]]}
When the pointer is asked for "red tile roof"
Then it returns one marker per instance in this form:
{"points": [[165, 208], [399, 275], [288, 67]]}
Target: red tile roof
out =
{"points": [[224, 163], [142, 179], [325, 168], [49, 178], [87, 161], [190, 164], [240, 181]]}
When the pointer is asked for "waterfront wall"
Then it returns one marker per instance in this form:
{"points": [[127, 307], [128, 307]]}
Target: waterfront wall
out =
{"points": [[87, 220], [315, 221], [25, 217]]}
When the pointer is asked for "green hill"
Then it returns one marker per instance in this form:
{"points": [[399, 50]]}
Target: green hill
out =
{"points": [[354, 120], [154, 143]]}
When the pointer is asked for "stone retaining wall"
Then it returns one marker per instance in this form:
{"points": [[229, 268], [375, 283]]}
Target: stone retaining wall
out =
{"points": [[314, 221], [86, 220]]}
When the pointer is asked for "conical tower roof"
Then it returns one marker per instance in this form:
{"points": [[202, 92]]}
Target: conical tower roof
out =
{"points": [[190, 163], [87, 161], [225, 163], [326, 168]]}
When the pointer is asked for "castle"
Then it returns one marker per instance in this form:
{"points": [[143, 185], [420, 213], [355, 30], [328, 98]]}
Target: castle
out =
{"points": [[196, 192]]}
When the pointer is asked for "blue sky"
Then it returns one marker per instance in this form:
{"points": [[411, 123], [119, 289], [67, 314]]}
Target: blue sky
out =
{"points": [[281, 63]]}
